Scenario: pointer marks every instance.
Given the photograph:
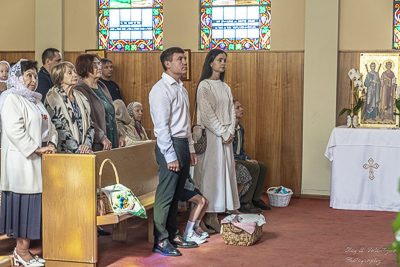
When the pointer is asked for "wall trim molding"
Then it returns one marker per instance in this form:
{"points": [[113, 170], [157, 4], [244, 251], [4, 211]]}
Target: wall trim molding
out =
{"points": [[312, 196]]}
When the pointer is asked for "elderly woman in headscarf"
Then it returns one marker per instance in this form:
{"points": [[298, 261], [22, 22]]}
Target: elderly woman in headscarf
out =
{"points": [[132, 131], [27, 134], [135, 110]]}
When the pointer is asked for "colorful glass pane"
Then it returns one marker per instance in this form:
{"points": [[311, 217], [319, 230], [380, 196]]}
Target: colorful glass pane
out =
{"points": [[131, 25], [235, 25], [396, 25], [104, 4]]}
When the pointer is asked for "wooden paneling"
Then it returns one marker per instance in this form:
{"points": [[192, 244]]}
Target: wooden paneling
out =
{"points": [[72, 191], [347, 60], [15, 56], [268, 84]]}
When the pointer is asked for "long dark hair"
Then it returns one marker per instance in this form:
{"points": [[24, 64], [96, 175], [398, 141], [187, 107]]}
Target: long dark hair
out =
{"points": [[207, 70]]}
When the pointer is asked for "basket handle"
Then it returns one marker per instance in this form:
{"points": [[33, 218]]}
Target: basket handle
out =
{"points": [[101, 172]]}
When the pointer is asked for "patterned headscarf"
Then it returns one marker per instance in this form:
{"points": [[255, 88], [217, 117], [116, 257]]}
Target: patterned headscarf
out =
{"points": [[131, 106]]}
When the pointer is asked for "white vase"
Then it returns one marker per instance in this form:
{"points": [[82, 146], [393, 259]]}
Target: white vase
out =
{"points": [[355, 121]]}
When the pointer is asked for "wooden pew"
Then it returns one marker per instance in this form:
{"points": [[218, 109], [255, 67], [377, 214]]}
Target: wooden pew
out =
{"points": [[69, 200]]}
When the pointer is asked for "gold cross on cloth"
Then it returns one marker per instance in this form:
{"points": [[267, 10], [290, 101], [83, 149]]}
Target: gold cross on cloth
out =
{"points": [[371, 166]]}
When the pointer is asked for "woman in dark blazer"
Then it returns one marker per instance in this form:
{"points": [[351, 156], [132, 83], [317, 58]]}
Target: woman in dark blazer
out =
{"points": [[106, 133]]}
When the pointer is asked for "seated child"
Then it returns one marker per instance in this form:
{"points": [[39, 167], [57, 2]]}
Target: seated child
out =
{"points": [[4, 69], [193, 230]]}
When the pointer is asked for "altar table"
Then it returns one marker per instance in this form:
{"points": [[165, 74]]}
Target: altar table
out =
{"points": [[365, 168]]}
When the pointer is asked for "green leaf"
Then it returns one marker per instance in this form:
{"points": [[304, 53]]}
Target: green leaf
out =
{"points": [[397, 104], [358, 105], [396, 223], [344, 110]]}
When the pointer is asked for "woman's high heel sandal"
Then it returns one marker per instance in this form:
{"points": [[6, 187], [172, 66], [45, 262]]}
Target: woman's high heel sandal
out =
{"points": [[37, 258], [18, 261]]}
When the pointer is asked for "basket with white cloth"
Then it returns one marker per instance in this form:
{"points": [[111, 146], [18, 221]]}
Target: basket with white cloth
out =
{"points": [[242, 229], [281, 198]]}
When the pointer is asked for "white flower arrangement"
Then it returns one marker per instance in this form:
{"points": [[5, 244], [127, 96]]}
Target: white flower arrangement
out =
{"points": [[356, 82], [356, 75]]}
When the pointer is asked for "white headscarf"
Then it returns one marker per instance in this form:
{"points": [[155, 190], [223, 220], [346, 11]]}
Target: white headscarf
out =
{"points": [[16, 85]]}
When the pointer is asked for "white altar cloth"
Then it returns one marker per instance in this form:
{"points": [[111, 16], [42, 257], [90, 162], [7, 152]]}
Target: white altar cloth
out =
{"points": [[365, 168]]}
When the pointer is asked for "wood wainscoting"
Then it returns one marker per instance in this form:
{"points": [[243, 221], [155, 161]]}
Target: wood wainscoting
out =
{"points": [[269, 85], [15, 56]]}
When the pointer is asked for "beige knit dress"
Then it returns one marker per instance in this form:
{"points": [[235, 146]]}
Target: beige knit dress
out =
{"points": [[215, 169]]}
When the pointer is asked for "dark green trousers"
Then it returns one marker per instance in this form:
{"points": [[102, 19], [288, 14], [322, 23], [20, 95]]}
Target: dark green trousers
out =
{"points": [[259, 176], [170, 190]]}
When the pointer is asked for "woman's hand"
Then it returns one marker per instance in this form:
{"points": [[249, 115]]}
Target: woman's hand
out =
{"points": [[107, 145], [230, 140], [49, 149], [121, 142], [84, 149]]}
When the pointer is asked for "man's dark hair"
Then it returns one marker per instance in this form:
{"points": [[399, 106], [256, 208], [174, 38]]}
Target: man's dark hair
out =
{"points": [[49, 54], [168, 54], [235, 100], [28, 65], [105, 60]]}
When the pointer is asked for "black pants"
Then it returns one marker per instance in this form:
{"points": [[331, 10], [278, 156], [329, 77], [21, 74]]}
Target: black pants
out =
{"points": [[170, 190]]}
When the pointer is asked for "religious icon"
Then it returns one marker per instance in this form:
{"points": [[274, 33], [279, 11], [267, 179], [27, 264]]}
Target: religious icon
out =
{"points": [[100, 52], [187, 76], [380, 72]]}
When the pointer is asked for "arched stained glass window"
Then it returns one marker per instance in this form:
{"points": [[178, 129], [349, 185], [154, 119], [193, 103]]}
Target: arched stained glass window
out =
{"points": [[235, 24], [131, 25]]}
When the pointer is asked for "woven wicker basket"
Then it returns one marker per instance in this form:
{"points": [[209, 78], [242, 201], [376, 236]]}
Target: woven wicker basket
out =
{"points": [[279, 200], [233, 235], [101, 196]]}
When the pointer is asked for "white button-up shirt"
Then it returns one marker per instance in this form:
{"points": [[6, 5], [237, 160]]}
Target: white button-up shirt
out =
{"points": [[169, 108]]}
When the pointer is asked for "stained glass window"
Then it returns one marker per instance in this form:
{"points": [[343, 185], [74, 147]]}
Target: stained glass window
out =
{"points": [[235, 24], [396, 25], [131, 25]]}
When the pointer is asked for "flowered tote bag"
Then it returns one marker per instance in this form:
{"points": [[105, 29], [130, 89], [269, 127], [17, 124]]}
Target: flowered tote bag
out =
{"points": [[120, 197]]}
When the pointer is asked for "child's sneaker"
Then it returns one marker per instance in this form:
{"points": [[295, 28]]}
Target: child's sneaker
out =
{"points": [[201, 233], [194, 237]]}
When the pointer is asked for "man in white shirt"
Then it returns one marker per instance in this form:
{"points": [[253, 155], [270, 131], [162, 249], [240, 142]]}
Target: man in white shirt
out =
{"points": [[169, 108]]}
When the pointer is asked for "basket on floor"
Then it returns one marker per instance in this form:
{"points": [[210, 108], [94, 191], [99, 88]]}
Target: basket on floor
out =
{"points": [[279, 200], [233, 235]]}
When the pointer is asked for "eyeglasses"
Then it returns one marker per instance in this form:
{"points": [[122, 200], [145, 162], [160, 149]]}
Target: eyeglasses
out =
{"points": [[97, 64]]}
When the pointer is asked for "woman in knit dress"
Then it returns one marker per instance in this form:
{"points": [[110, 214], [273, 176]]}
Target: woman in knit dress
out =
{"points": [[215, 169]]}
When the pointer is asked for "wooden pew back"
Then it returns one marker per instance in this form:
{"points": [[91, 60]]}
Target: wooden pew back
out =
{"points": [[136, 166]]}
